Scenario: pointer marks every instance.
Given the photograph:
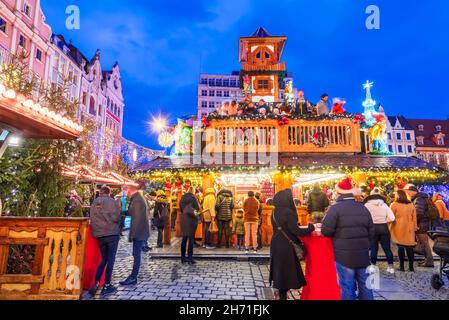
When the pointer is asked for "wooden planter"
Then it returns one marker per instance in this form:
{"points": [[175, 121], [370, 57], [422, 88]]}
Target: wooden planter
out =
{"points": [[42, 258]]}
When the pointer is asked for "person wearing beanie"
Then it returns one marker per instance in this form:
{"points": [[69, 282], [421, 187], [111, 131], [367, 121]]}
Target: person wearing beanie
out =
{"points": [[209, 203], [382, 216], [351, 228]]}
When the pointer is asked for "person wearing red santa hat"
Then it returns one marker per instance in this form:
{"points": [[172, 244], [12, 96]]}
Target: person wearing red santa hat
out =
{"points": [[351, 227]]}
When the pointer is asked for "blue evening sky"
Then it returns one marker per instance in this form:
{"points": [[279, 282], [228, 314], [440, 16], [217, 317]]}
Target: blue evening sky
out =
{"points": [[162, 46]]}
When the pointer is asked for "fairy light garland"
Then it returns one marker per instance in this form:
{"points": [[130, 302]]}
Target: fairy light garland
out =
{"points": [[31, 107]]}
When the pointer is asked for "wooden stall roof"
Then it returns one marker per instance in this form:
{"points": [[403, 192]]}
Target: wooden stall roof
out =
{"points": [[87, 174], [32, 124], [294, 160]]}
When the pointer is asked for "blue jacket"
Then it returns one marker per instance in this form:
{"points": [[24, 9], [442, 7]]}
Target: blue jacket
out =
{"points": [[351, 227]]}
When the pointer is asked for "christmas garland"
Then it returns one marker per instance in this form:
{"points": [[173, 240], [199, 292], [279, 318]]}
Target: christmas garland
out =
{"points": [[258, 117]]}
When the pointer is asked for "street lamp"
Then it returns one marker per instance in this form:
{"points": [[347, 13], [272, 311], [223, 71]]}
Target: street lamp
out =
{"points": [[159, 124]]}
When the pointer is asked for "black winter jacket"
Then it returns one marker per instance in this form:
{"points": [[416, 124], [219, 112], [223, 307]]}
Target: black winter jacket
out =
{"points": [[189, 222], [105, 217], [420, 202], [225, 205], [351, 227]]}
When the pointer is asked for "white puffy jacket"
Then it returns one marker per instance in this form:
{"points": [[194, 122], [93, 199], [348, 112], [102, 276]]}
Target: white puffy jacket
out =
{"points": [[380, 212]]}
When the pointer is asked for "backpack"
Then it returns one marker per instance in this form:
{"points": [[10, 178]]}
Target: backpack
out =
{"points": [[432, 210]]}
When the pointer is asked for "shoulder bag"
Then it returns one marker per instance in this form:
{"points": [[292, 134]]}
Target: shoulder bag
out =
{"points": [[300, 251]]}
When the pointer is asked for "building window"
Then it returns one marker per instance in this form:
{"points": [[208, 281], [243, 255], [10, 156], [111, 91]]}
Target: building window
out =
{"points": [[211, 104], [211, 93], [390, 148], [203, 104], [27, 9], [420, 140], [409, 136], [85, 98], [263, 84], [400, 149], [203, 81], [22, 41], [389, 136], [233, 83], [2, 25], [398, 136], [204, 93], [92, 106], [219, 93], [226, 83], [410, 149], [212, 82], [421, 127], [226, 94], [219, 82], [39, 56], [438, 128], [440, 141]]}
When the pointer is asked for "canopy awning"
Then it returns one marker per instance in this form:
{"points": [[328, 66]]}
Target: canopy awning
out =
{"points": [[31, 120], [86, 174]]}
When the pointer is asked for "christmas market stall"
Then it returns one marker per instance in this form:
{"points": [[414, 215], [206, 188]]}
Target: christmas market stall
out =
{"points": [[271, 140], [40, 258]]}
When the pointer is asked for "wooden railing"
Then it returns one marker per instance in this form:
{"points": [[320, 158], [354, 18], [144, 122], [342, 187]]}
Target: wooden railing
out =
{"points": [[42, 258], [303, 136]]}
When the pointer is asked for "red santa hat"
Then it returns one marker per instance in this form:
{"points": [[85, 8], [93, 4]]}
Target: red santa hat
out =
{"points": [[345, 187]]}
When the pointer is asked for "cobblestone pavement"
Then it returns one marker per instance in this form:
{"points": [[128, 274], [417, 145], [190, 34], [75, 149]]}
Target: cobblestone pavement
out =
{"points": [[227, 279]]}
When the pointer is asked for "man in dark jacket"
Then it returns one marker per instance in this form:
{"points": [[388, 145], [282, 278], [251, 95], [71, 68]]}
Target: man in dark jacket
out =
{"points": [[139, 231], [105, 225], [189, 222], [420, 200], [318, 201], [224, 207], [351, 227]]}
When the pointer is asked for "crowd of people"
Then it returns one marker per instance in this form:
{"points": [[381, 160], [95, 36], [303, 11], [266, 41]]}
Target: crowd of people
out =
{"points": [[355, 223], [300, 107]]}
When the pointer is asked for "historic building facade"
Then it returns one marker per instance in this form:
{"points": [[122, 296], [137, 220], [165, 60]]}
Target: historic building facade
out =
{"points": [[401, 136], [53, 61], [432, 140], [23, 29]]}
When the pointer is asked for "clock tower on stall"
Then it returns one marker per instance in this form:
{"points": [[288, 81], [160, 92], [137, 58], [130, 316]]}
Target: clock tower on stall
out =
{"points": [[262, 71]]}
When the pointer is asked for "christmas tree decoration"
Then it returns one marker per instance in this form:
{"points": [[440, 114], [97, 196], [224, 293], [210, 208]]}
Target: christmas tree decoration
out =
{"points": [[369, 104]]}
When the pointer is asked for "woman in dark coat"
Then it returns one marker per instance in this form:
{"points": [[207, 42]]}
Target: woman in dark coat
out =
{"points": [[189, 222], [285, 269]]}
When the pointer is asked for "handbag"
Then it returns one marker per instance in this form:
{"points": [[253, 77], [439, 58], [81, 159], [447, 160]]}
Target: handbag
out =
{"points": [[213, 227], [300, 251]]}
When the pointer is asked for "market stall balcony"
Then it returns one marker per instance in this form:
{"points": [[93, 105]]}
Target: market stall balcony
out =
{"points": [[293, 135]]}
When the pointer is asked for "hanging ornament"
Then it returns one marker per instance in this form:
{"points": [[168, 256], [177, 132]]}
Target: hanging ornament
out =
{"points": [[165, 140]]}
